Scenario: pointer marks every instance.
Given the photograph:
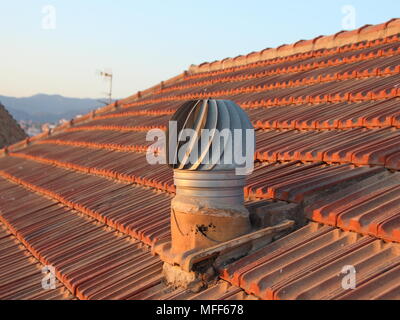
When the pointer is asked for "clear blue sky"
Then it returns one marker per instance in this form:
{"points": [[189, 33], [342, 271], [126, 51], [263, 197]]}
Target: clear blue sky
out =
{"points": [[144, 42]]}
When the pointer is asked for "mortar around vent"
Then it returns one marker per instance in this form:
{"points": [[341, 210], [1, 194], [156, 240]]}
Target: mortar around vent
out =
{"points": [[208, 209]]}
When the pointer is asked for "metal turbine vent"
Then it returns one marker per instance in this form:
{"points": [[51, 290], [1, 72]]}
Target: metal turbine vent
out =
{"points": [[207, 114]]}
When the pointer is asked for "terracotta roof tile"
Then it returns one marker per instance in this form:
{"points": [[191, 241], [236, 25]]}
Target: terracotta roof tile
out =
{"points": [[307, 264], [21, 273], [371, 208]]}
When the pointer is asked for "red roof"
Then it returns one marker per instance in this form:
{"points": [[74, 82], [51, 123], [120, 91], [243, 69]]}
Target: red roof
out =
{"points": [[84, 199]]}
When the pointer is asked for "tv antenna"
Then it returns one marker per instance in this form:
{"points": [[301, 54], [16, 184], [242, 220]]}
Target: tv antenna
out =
{"points": [[107, 74]]}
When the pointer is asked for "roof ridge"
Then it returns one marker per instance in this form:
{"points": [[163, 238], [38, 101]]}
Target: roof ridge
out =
{"points": [[341, 38], [302, 67]]}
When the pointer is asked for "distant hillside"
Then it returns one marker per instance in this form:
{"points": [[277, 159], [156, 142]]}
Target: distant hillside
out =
{"points": [[10, 131], [48, 108]]}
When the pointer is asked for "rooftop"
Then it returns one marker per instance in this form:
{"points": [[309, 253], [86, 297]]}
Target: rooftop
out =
{"points": [[83, 199]]}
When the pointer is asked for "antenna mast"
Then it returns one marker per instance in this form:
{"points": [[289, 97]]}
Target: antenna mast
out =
{"points": [[110, 76]]}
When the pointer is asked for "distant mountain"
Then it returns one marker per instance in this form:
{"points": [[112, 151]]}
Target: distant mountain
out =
{"points": [[48, 108]]}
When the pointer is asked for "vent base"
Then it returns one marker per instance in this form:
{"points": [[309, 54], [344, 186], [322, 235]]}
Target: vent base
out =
{"points": [[207, 209]]}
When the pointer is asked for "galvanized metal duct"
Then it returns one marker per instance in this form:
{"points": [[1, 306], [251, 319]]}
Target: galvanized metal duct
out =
{"points": [[216, 151]]}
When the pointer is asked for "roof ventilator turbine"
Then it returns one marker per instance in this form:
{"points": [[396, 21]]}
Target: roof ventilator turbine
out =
{"points": [[210, 146]]}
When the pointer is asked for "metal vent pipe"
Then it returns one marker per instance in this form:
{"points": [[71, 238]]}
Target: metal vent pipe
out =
{"points": [[208, 207]]}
